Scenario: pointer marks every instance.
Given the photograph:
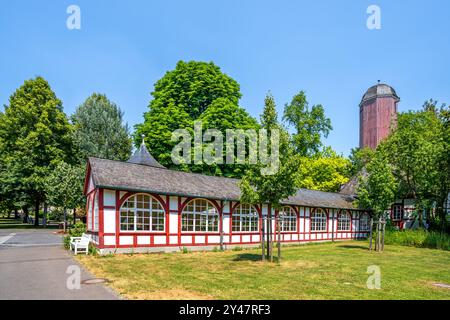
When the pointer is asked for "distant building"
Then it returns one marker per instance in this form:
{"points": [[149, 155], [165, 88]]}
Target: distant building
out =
{"points": [[377, 114]]}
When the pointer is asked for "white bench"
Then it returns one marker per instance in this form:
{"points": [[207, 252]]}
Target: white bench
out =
{"points": [[79, 244]]}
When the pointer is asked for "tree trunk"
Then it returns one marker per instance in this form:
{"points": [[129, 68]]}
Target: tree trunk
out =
{"points": [[269, 216], [75, 220], [262, 238], [44, 220], [36, 213], [371, 234], [65, 219], [16, 214], [279, 239], [25, 214]]}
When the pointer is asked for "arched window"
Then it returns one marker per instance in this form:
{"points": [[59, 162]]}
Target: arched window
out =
{"points": [[318, 220], [200, 215], [344, 221], [245, 219], [142, 212], [288, 219], [364, 222]]}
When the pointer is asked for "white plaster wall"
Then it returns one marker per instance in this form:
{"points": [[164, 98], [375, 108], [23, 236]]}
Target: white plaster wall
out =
{"points": [[143, 240], [159, 240], [109, 240], [109, 220], [226, 223], [173, 222], [126, 240]]}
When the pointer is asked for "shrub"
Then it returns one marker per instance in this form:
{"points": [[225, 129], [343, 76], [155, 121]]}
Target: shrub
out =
{"points": [[419, 238], [186, 250], [76, 231]]}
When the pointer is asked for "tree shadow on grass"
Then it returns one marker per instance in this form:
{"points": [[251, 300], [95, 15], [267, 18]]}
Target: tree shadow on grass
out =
{"points": [[348, 246], [247, 257]]}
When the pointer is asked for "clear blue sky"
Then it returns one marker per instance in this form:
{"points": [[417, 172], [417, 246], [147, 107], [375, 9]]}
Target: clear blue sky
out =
{"points": [[322, 47]]}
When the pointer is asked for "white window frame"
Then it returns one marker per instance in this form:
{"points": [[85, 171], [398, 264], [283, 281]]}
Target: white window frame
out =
{"points": [[288, 218], [150, 211], [318, 219], [244, 212], [347, 221], [208, 216]]}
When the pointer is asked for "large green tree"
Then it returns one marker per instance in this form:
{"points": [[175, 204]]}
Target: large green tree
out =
{"points": [[99, 130], [310, 124], [419, 153], [34, 136], [325, 171], [193, 86], [193, 91]]}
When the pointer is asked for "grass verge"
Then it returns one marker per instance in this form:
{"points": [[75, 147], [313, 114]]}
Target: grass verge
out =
{"points": [[321, 271]]}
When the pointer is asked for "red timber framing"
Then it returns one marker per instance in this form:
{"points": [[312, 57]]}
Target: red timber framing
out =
{"points": [[173, 236]]}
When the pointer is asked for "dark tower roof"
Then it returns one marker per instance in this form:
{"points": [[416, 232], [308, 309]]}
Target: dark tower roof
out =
{"points": [[380, 90], [143, 156]]}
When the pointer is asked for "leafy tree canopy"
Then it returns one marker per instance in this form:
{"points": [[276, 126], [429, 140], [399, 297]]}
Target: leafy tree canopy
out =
{"points": [[34, 136], [258, 188], [326, 171], [193, 91], [99, 130], [310, 124], [377, 189], [193, 86], [64, 186]]}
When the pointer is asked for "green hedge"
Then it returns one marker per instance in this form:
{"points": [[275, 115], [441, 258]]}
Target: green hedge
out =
{"points": [[419, 238], [76, 231]]}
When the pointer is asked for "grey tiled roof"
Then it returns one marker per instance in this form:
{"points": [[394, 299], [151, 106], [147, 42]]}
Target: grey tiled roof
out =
{"points": [[142, 156], [380, 90], [119, 175]]}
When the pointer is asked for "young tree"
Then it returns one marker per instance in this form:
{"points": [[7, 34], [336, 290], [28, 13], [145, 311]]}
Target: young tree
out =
{"points": [[34, 136], [310, 124], [258, 188], [99, 130], [64, 187], [378, 188]]}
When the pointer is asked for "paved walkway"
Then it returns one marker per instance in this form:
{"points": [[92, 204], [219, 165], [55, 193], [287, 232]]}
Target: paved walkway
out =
{"points": [[34, 265]]}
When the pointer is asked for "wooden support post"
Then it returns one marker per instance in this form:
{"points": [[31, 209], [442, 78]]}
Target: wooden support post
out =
{"points": [[263, 257], [371, 234], [279, 239]]}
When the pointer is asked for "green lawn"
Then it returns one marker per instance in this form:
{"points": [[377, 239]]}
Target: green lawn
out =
{"points": [[319, 271], [10, 223]]}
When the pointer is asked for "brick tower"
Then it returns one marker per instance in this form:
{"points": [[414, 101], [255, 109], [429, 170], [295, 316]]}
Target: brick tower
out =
{"points": [[377, 115]]}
